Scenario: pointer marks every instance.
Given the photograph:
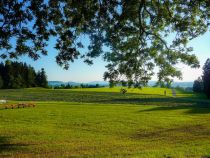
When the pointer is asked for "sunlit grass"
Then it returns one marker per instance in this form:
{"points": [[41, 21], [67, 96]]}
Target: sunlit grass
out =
{"points": [[141, 123]]}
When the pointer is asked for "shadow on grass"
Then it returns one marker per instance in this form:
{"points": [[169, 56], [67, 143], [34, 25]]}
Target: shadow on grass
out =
{"points": [[190, 109], [175, 134], [195, 105], [7, 146], [73, 96], [164, 101]]}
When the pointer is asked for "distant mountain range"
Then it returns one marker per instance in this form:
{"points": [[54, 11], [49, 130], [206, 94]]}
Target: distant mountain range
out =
{"points": [[58, 83], [104, 83], [182, 84], [175, 84]]}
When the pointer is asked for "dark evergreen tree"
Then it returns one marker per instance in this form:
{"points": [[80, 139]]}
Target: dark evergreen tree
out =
{"points": [[17, 82], [1, 74], [38, 79], [206, 77], [17, 75], [24, 70], [8, 76], [30, 77], [1, 82], [68, 86], [20, 75], [198, 85], [41, 79]]}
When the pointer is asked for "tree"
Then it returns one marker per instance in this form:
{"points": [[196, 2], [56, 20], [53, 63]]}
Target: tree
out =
{"points": [[19, 75], [198, 85], [68, 86], [30, 77], [41, 79], [44, 82], [1, 82], [135, 33], [17, 82], [1, 74], [8, 74], [206, 77], [97, 85], [82, 85]]}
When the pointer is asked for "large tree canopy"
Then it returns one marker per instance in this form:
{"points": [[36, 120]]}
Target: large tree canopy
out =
{"points": [[138, 34]]}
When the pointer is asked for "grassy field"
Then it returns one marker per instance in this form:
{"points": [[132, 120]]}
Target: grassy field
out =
{"points": [[102, 122]]}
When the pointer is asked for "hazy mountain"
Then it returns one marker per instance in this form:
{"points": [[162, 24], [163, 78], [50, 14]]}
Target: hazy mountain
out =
{"points": [[55, 83], [175, 84], [182, 84], [72, 83], [58, 83], [104, 83]]}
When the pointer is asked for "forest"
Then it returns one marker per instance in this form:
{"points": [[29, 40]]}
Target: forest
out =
{"points": [[20, 75]]}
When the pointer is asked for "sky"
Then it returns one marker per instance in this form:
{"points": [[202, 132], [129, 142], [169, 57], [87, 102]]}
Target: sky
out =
{"points": [[81, 72]]}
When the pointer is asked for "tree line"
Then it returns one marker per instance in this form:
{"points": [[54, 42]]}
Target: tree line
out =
{"points": [[202, 84], [20, 75], [68, 86]]}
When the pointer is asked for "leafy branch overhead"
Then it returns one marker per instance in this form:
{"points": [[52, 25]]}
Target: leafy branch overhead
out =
{"points": [[138, 34]]}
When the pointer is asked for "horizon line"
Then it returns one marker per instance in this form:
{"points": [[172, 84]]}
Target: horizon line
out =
{"points": [[101, 81]]}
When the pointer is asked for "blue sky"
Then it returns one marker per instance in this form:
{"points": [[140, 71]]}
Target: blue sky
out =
{"points": [[81, 72]]}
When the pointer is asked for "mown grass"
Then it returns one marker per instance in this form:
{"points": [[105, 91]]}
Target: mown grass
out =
{"points": [[149, 96], [104, 123]]}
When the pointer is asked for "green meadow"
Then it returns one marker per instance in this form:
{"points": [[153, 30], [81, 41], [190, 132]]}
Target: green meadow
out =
{"points": [[102, 122]]}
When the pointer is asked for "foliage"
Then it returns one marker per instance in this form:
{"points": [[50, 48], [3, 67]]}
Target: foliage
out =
{"points": [[20, 75], [164, 84], [1, 82], [198, 85], [41, 79], [206, 77], [134, 32]]}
